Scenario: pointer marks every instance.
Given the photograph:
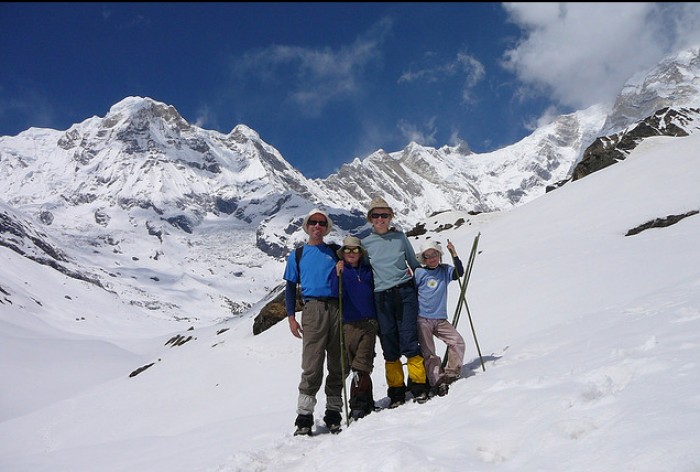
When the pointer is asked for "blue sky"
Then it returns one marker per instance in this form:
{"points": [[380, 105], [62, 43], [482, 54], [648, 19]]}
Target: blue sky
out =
{"points": [[327, 82]]}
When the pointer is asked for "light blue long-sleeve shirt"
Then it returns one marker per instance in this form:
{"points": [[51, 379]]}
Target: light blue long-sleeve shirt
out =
{"points": [[390, 254]]}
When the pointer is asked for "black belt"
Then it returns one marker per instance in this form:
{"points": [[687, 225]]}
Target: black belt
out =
{"points": [[400, 286], [320, 299]]}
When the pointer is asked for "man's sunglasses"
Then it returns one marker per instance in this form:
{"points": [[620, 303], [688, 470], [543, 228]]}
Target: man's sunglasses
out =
{"points": [[380, 215], [348, 250], [323, 223]]}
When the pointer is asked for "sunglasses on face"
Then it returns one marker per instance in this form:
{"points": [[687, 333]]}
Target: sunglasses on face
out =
{"points": [[430, 255], [323, 223], [380, 215], [353, 250]]}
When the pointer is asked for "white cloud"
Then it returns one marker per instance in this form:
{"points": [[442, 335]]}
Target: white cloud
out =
{"points": [[456, 140], [582, 53], [205, 116], [463, 65], [474, 73], [30, 106], [550, 114], [316, 76], [424, 135]]}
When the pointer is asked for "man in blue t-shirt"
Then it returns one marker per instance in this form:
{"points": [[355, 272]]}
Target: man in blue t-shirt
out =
{"points": [[320, 324]]}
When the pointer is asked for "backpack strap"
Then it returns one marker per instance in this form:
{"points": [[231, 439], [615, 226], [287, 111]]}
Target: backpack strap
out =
{"points": [[298, 252], [297, 256]]}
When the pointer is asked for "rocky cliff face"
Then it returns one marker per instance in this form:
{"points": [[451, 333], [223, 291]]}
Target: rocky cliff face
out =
{"points": [[608, 150]]}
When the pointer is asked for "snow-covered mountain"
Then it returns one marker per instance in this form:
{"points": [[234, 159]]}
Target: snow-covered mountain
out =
{"points": [[143, 203], [588, 330], [674, 82], [420, 180]]}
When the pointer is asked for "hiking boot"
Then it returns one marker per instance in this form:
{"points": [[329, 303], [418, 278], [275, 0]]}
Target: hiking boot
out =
{"points": [[303, 431], [304, 423], [357, 414], [396, 403], [449, 379], [442, 389], [419, 392], [397, 396], [334, 428], [361, 398], [333, 420], [421, 398]]}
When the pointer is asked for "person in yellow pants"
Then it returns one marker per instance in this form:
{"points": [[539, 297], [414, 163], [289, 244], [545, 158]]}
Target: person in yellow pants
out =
{"points": [[393, 260]]}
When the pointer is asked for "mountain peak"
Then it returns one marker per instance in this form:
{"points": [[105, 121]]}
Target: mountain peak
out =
{"points": [[245, 132], [674, 81], [138, 111]]}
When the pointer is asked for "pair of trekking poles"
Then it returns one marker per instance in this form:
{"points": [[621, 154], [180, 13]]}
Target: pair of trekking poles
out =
{"points": [[460, 303]]}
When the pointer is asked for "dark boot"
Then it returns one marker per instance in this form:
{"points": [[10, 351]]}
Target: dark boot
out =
{"points": [[397, 395], [304, 423], [419, 392], [333, 420], [361, 397]]}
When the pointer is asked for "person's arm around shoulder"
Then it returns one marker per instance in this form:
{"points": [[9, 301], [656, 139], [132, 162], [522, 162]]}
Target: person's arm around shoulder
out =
{"points": [[418, 276], [410, 253]]}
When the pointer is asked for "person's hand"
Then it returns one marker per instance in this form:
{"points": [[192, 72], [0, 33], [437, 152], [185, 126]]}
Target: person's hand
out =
{"points": [[339, 266], [451, 248], [294, 326]]}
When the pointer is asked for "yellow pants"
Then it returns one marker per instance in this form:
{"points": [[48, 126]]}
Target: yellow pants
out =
{"points": [[395, 375]]}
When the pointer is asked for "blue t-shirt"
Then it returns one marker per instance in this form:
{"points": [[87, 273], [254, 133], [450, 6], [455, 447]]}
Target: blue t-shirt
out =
{"points": [[431, 285], [316, 264]]}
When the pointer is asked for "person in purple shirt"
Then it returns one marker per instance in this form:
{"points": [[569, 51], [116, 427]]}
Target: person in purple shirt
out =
{"points": [[359, 323]]}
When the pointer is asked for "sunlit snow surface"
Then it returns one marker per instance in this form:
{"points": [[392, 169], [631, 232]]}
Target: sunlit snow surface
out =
{"points": [[590, 341]]}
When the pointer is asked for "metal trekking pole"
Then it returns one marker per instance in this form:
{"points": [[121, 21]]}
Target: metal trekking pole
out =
{"points": [[342, 347]]}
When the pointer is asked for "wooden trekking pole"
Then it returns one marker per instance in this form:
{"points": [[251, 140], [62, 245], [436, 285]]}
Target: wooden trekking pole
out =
{"points": [[455, 318], [463, 301], [342, 347], [463, 283]]}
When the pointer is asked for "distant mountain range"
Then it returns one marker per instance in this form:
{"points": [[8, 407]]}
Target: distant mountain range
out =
{"points": [[140, 197]]}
